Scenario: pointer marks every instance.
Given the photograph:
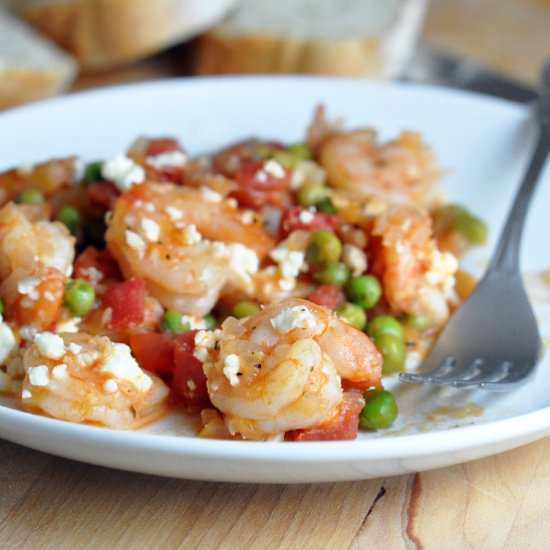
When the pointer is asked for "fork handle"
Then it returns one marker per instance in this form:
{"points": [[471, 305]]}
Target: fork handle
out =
{"points": [[506, 256]]}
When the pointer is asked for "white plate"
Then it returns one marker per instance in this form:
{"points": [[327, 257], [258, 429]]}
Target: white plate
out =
{"points": [[484, 144]]}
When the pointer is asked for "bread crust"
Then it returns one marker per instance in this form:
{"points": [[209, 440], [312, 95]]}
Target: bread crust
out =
{"points": [[222, 52], [22, 85], [106, 33]]}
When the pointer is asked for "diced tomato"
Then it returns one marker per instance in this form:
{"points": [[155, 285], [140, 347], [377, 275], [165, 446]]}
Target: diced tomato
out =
{"points": [[257, 187], [127, 303], [154, 351], [291, 221], [98, 259], [162, 145], [102, 194], [229, 160], [344, 425], [328, 295], [189, 382]]}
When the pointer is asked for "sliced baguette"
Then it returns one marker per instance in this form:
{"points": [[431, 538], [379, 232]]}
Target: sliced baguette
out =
{"points": [[341, 37], [31, 67], [106, 33]]}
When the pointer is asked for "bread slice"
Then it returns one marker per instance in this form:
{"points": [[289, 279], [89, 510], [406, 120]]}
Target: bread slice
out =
{"points": [[106, 33], [30, 67], [341, 37]]}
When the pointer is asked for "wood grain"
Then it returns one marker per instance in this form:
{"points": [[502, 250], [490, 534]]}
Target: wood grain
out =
{"points": [[52, 503]]}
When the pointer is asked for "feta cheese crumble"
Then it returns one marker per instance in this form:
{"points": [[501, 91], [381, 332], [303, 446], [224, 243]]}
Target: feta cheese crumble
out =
{"points": [[39, 375], [293, 317], [149, 230], [231, 365], [355, 259], [7, 342], [191, 235], [123, 172], [50, 345], [170, 159], [27, 286], [134, 241], [59, 372], [174, 213], [443, 267], [123, 366]]}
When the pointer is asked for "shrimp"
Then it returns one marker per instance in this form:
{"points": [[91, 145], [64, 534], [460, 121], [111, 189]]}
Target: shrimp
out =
{"points": [[186, 243], [35, 257], [47, 177], [281, 368], [89, 379], [417, 278], [402, 171]]}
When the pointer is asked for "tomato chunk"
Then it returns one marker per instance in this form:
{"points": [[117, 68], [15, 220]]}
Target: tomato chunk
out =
{"points": [[343, 425], [162, 145], [291, 221], [100, 260], [102, 194], [154, 351], [189, 382], [127, 302], [328, 295]]}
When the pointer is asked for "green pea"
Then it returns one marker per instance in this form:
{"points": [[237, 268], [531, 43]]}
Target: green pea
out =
{"points": [[352, 314], [79, 297], [1, 306], [392, 349], [471, 228], [311, 193], [326, 205], [324, 248], [30, 196], [364, 291], [92, 172], [244, 309], [335, 273], [209, 321], [380, 410], [300, 151], [70, 216], [171, 322], [420, 322], [385, 324]]}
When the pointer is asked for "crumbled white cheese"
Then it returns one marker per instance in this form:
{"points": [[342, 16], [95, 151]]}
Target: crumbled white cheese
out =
{"points": [[134, 241], [355, 259], [123, 366], [443, 266], [149, 230], [306, 216], [59, 372], [290, 262], [50, 345], [274, 168], [27, 286], [7, 342], [69, 325], [26, 394], [210, 195], [248, 217], [27, 332], [74, 348], [123, 172], [39, 375], [110, 386], [231, 367], [205, 340], [195, 323], [243, 262], [170, 159], [291, 318], [191, 235], [174, 213]]}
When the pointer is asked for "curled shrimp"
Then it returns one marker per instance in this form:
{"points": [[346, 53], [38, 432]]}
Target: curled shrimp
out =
{"points": [[89, 379], [417, 278], [281, 369], [35, 257], [401, 171], [186, 243], [47, 177]]}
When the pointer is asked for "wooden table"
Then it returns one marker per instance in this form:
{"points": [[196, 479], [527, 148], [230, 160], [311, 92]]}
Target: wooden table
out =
{"points": [[499, 502]]}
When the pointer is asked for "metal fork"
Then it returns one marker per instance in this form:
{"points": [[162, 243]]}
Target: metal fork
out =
{"points": [[492, 341]]}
